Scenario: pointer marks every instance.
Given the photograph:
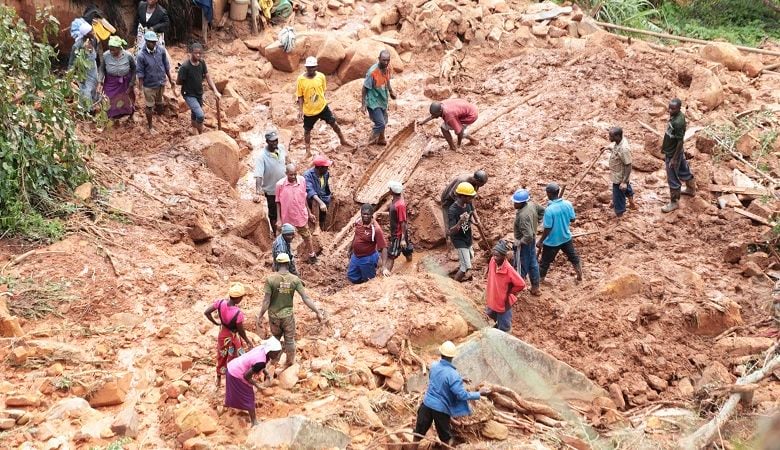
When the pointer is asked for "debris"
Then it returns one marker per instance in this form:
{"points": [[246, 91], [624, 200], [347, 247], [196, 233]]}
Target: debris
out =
{"points": [[84, 191], [112, 392], [126, 423], [289, 377], [297, 432], [738, 190], [494, 430], [625, 284], [725, 54], [195, 418], [368, 413], [743, 346], [752, 216]]}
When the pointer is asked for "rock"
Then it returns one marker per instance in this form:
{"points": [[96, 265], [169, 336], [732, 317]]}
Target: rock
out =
{"points": [[556, 32], [495, 34], [623, 285], [334, 4], [395, 382], [220, 152], [742, 346], [729, 201], [195, 418], [734, 252], [197, 443], [320, 364], [494, 430], [286, 62], [9, 327], [751, 269], [330, 55], [163, 331], [706, 89], [200, 229], [705, 144], [391, 17], [126, 423], [380, 337], [715, 375], [761, 210], [176, 388], [112, 392], [84, 191], [55, 370], [385, 371], [587, 26], [231, 107], [657, 383], [259, 43], [368, 414], [685, 388], [642, 162], [437, 92], [617, 396], [19, 355], [289, 377], [710, 321], [540, 30], [375, 24], [7, 423], [22, 401], [723, 53], [753, 66], [71, 407], [760, 258], [363, 54], [747, 145], [297, 432]]}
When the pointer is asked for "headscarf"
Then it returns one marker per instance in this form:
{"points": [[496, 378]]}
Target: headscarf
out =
{"points": [[501, 247], [84, 29], [116, 41]]}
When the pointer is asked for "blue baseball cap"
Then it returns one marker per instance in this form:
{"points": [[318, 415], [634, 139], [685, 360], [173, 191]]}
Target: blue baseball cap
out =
{"points": [[520, 196], [150, 36]]}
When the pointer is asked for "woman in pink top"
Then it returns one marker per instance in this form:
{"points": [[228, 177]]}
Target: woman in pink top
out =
{"points": [[231, 320], [241, 372]]}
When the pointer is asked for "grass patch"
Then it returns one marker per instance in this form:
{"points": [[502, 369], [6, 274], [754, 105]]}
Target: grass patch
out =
{"points": [[34, 300], [763, 126]]}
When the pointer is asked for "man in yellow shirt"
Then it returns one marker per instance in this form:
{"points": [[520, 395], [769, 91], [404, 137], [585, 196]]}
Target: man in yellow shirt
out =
{"points": [[314, 107]]}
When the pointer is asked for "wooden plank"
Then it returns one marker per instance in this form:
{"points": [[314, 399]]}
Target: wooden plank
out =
{"points": [[758, 219], [386, 40], [738, 190]]}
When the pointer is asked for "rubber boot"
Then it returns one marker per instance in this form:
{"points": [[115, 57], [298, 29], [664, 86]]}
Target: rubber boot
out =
{"points": [[690, 188], [631, 204], [535, 290], [578, 270], [382, 140], [374, 139], [674, 198]]}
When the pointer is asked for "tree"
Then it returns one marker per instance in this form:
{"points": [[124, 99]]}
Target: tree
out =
{"points": [[40, 155]]}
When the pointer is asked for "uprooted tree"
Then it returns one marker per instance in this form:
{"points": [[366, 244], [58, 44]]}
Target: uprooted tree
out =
{"points": [[40, 155]]}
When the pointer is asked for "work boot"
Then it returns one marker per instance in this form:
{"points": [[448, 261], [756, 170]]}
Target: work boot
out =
{"points": [[674, 198], [631, 204], [690, 188], [374, 138], [382, 140], [535, 291], [578, 270]]}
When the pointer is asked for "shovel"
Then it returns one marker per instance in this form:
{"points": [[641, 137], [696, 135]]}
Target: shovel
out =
{"points": [[219, 116]]}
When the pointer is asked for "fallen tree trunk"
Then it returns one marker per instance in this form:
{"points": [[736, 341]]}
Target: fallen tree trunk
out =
{"points": [[706, 434], [525, 406]]}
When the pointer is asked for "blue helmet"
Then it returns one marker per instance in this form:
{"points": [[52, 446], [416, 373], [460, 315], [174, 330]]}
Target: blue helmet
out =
{"points": [[520, 196]]}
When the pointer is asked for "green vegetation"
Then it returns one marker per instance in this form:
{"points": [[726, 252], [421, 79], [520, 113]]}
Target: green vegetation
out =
{"points": [[119, 444], [40, 156]]}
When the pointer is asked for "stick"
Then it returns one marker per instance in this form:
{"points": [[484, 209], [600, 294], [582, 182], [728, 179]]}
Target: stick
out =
{"points": [[752, 216], [219, 115], [683, 39], [752, 167], [650, 129], [415, 357], [585, 233], [504, 111], [524, 405], [26, 255], [587, 170], [706, 434]]}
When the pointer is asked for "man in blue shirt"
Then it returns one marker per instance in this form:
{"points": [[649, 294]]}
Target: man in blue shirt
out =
{"points": [[446, 397], [557, 236], [318, 192], [152, 68]]}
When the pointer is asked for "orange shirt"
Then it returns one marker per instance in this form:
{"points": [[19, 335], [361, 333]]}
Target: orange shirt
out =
{"points": [[498, 281]]}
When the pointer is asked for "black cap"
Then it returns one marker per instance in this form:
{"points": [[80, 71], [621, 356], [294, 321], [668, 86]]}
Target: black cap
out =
{"points": [[552, 188]]}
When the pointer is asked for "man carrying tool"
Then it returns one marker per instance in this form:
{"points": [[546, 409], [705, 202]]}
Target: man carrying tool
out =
{"points": [[280, 289], [310, 91], [369, 248], [291, 208], [457, 114], [269, 170], [677, 170], [152, 67], [620, 171], [191, 75], [503, 282], [399, 227], [318, 194], [448, 196], [283, 244], [460, 217], [445, 398], [527, 217], [557, 235], [376, 90]]}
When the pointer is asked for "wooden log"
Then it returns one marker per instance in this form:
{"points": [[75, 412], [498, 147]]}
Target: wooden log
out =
{"points": [[683, 39], [587, 170], [524, 405], [758, 219]]}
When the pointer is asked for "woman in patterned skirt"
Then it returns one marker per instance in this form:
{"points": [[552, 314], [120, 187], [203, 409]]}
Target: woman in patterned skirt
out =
{"points": [[231, 321]]}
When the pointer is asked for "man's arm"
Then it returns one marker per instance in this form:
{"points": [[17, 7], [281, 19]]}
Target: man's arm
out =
{"points": [[428, 119], [626, 174], [213, 86], [263, 309], [307, 301], [460, 392], [390, 89], [544, 236], [165, 21]]}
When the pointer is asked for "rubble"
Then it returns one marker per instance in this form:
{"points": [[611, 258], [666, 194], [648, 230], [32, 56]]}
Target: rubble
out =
{"points": [[220, 153], [295, 432]]}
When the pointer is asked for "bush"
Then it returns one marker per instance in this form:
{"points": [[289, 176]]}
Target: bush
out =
{"points": [[40, 156]]}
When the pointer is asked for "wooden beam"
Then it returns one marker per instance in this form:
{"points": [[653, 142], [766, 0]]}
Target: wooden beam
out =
{"points": [[750, 215], [204, 27], [738, 190]]}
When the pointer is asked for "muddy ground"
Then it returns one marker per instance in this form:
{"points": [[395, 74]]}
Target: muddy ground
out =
{"points": [[124, 292]]}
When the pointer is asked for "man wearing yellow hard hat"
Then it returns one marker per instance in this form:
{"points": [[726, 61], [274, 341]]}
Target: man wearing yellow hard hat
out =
{"points": [[445, 398], [460, 217]]}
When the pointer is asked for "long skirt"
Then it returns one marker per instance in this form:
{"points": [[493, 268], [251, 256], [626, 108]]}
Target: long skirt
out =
{"points": [[228, 348], [121, 96], [239, 394]]}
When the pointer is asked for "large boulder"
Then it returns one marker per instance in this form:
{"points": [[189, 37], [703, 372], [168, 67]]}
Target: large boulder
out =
{"points": [[112, 392], [220, 152], [297, 432], [281, 60], [363, 54], [623, 285], [194, 418], [330, 55], [706, 89], [723, 53]]}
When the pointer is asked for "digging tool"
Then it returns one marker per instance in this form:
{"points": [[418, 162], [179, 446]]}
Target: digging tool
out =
{"points": [[586, 172], [219, 116]]}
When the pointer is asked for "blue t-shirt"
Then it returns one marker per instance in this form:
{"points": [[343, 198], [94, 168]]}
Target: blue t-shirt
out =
{"points": [[557, 216]]}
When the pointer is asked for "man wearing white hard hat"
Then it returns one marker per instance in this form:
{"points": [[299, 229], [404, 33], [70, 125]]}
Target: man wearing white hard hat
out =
{"points": [[445, 398], [399, 227], [310, 92]]}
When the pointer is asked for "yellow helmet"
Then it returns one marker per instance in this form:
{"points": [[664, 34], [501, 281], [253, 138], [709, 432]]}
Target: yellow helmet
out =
{"points": [[466, 189], [236, 290]]}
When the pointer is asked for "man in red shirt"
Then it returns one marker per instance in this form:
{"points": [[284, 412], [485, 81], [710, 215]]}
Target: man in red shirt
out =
{"points": [[368, 249], [399, 228], [291, 207], [457, 114], [503, 282]]}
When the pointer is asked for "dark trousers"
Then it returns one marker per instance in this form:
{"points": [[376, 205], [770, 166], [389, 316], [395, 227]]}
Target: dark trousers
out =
{"points": [[271, 199], [379, 117], [427, 416], [526, 263], [619, 198], [550, 252], [677, 171]]}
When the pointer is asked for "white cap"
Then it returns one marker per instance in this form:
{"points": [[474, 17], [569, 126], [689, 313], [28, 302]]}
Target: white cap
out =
{"points": [[272, 344], [311, 61], [395, 187]]}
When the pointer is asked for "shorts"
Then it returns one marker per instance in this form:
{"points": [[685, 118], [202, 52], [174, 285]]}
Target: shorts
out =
{"points": [[395, 248], [325, 114], [303, 231], [154, 96], [283, 327], [449, 128], [464, 258]]}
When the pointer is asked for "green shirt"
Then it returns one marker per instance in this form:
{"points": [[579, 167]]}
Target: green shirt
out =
{"points": [[675, 133], [282, 288], [376, 84], [527, 222]]}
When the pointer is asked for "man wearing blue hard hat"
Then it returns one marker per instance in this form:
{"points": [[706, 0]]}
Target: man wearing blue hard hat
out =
{"points": [[527, 217]]}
